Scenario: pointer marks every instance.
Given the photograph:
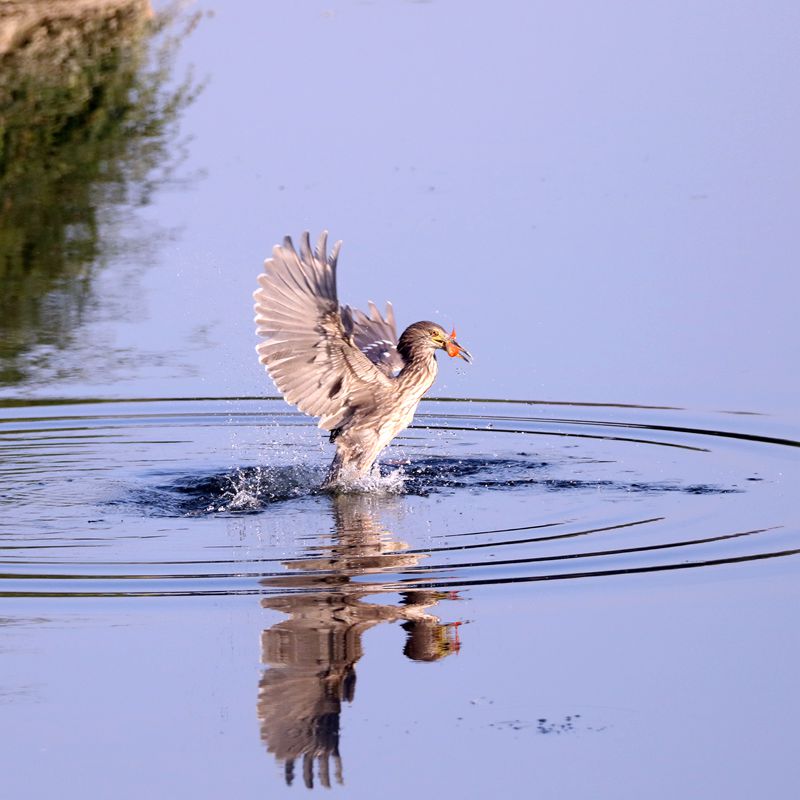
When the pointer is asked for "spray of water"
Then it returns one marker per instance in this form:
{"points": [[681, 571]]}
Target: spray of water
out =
{"points": [[253, 488]]}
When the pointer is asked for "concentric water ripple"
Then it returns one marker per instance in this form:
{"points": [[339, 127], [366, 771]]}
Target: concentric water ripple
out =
{"points": [[199, 497]]}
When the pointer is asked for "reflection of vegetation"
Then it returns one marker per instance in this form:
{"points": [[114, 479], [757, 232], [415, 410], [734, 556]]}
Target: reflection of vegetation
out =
{"points": [[85, 119], [312, 654]]}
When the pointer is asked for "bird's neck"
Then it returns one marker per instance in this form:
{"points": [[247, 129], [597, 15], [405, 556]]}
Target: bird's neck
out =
{"points": [[419, 373]]}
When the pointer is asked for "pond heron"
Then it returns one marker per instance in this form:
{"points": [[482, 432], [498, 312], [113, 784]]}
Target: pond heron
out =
{"points": [[340, 364]]}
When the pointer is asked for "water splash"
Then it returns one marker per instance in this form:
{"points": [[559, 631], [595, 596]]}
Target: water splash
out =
{"points": [[384, 479], [241, 490]]}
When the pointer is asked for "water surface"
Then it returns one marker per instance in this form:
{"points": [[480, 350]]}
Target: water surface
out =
{"points": [[518, 520]]}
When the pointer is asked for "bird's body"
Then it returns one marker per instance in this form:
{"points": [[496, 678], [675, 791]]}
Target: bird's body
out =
{"points": [[339, 364], [372, 428]]}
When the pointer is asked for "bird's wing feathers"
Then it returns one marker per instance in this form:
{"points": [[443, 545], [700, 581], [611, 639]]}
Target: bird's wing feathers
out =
{"points": [[307, 351], [375, 336]]}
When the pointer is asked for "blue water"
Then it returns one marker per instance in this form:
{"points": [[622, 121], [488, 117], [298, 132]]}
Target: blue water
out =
{"points": [[523, 580]]}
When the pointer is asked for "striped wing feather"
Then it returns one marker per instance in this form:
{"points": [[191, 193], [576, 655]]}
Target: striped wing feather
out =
{"points": [[375, 336], [307, 351]]}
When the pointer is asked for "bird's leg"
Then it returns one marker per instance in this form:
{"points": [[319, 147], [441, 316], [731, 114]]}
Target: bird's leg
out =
{"points": [[354, 459], [334, 473]]}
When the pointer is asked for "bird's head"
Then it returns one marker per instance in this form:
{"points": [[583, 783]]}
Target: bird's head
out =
{"points": [[428, 336]]}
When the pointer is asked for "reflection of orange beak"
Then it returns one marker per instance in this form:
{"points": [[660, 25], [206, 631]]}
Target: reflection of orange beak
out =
{"points": [[455, 349]]}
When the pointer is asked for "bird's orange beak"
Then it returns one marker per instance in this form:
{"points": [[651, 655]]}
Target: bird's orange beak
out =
{"points": [[455, 349]]}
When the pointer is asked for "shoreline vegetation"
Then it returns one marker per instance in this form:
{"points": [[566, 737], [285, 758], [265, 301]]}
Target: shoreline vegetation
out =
{"points": [[88, 108]]}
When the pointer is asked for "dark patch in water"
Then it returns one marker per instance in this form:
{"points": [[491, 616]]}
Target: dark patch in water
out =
{"points": [[434, 474], [240, 491], [251, 489]]}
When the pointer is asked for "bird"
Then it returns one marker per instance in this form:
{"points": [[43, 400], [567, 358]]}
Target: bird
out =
{"points": [[340, 364]]}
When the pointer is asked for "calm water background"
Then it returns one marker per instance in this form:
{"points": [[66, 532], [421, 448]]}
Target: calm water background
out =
{"points": [[602, 198]]}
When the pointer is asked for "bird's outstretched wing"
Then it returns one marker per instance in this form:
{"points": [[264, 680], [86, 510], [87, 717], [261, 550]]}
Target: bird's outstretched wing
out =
{"points": [[307, 351], [375, 336]]}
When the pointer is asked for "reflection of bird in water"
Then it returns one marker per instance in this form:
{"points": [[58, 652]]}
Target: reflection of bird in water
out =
{"points": [[312, 654], [339, 364]]}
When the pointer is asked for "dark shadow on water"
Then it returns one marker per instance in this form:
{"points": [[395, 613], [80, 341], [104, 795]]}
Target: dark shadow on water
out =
{"points": [[437, 474], [311, 656], [87, 117], [251, 489]]}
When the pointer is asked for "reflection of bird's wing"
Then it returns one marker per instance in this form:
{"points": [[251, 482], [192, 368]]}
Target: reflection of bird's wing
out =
{"points": [[308, 352]]}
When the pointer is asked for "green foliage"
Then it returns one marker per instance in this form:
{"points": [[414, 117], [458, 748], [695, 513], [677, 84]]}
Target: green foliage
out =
{"points": [[87, 113]]}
